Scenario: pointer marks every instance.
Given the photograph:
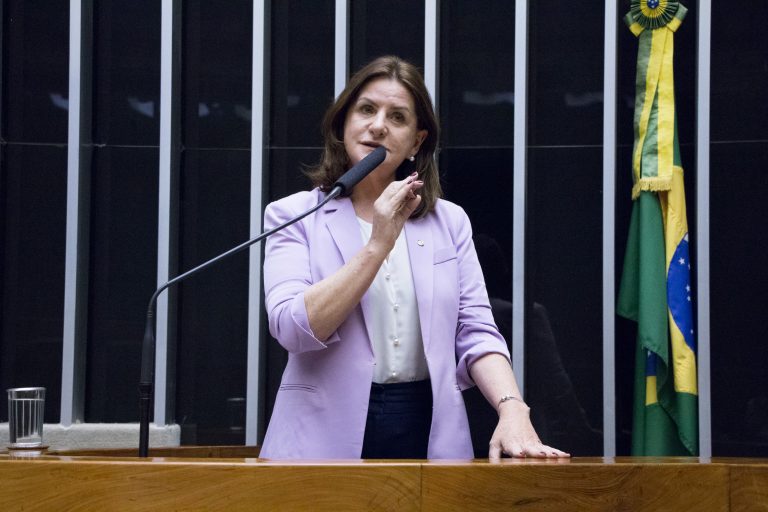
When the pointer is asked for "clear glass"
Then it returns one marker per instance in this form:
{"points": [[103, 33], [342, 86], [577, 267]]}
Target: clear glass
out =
{"points": [[26, 410]]}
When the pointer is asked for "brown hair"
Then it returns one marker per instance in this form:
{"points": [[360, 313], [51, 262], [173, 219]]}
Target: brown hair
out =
{"points": [[334, 161]]}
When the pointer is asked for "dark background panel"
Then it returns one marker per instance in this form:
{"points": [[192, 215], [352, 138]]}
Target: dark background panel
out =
{"points": [[480, 181], [626, 330], [738, 278], [126, 72], [286, 170], [739, 64], [33, 195], [216, 73], [477, 73], [213, 305], [738, 181], [301, 77], [565, 74], [33, 206], [395, 27], [563, 344], [122, 277], [35, 84], [564, 296]]}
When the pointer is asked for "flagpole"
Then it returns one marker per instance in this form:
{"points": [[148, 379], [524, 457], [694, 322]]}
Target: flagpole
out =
{"points": [[702, 225], [609, 230]]}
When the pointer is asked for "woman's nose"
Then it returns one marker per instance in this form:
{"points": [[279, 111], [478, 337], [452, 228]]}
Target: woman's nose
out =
{"points": [[378, 126]]}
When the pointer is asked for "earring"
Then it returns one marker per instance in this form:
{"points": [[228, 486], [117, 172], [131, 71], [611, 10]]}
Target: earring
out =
{"points": [[412, 158]]}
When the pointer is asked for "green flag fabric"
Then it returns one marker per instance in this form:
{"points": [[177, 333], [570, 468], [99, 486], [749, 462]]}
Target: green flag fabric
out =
{"points": [[655, 288]]}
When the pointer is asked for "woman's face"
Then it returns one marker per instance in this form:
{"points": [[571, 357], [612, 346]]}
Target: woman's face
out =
{"points": [[383, 115]]}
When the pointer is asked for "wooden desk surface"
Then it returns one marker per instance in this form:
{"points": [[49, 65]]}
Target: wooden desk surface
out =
{"points": [[93, 482]]}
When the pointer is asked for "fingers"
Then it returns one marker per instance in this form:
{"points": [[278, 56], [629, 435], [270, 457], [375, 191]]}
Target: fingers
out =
{"points": [[393, 208], [400, 196], [406, 189], [522, 450], [497, 449], [542, 451], [517, 451], [515, 436], [494, 451]]}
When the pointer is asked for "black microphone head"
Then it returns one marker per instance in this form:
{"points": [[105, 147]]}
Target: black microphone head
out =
{"points": [[360, 170]]}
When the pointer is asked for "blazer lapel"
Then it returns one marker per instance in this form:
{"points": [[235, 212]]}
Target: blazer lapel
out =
{"points": [[418, 234], [344, 228]]}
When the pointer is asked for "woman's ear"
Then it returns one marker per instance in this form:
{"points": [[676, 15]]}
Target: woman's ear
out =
{"points": [[421, 136]]}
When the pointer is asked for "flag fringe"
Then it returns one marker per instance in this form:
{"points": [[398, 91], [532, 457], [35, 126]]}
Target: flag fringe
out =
{"points": [[651, 184]]}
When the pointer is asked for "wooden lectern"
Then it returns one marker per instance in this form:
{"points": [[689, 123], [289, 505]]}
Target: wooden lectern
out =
{"points": [[234, 478]]}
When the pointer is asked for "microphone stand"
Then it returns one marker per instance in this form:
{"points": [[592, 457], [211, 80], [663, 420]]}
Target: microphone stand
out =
{"points": [[148, 346]]}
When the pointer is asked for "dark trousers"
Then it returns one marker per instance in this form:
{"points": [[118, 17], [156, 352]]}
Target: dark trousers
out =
{"points": [[399, 420]]}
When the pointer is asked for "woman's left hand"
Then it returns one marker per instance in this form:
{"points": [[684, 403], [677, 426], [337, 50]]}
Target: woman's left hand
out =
{"points": [[516, 437]]}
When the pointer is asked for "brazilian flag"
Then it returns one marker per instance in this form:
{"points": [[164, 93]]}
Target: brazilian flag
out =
{"points": [[655, 287]]}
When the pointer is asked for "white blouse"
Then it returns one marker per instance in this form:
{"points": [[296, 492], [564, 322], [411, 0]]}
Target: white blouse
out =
{"points": [[394, 322]]}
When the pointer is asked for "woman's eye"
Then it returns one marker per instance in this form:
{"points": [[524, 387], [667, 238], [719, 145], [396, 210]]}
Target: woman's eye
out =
{"points": [[398, 117], [366, 109]]}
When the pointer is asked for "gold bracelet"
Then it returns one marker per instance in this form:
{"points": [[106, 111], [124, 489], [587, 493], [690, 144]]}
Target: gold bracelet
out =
{"points": [[506, 398]]}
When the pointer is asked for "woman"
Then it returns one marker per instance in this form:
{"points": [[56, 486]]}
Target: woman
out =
{"points": [[379, 298]]}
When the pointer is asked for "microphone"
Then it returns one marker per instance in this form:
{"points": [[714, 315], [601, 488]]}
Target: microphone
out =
{"points": [[343, 186], [360, 170]]}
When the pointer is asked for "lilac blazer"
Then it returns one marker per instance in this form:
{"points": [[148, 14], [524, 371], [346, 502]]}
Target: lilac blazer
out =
{"points": [[322, 402]]}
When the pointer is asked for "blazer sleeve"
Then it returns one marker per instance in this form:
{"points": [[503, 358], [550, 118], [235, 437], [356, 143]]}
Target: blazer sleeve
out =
{"points": [[287, 274], [476, 331]]}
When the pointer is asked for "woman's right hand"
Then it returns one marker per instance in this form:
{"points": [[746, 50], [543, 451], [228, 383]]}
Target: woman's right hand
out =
{"points": [[329, 302], [392, 208]]}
